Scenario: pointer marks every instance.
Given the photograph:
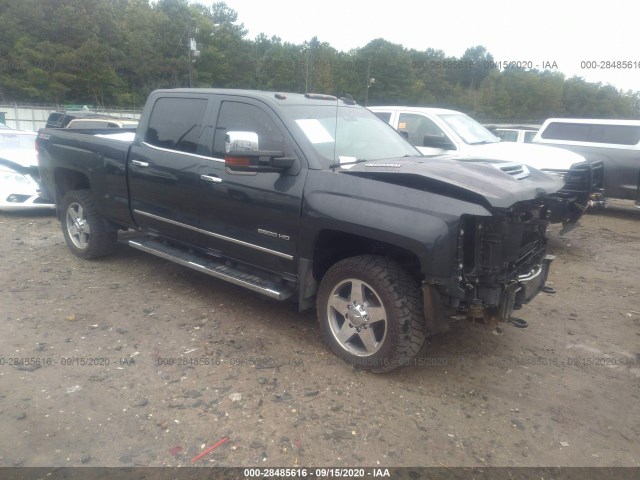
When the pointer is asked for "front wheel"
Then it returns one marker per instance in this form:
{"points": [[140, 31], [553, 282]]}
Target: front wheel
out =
{"points": [[86, 233], [370, 312]]}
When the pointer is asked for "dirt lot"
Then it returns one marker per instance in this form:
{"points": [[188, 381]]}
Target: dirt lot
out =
{"points": [[132, 360]]}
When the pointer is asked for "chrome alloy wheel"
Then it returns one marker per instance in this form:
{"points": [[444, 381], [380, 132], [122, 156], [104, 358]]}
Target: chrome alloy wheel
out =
{"points": [[77, 226], [357, 318]]}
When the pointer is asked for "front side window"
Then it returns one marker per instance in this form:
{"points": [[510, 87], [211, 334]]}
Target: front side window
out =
{"points": [[417, 127], [243, 117], [177, 124]]}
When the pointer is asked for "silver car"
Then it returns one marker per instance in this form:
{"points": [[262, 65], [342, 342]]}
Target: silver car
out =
{"points": [[19, 176]]}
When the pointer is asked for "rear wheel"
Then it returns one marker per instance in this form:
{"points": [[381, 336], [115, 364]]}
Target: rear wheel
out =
{"points": [[86, 233], [370, 312]]}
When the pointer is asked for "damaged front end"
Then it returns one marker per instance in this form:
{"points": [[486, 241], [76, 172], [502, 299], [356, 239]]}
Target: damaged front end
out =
{"points": [[502, 264]]}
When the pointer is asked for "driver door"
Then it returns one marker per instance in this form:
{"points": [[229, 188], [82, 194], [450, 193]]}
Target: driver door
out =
{"points": [[253, 216]]}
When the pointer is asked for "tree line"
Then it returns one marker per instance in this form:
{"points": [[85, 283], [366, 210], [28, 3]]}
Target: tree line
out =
{"points": [[114, 53]]}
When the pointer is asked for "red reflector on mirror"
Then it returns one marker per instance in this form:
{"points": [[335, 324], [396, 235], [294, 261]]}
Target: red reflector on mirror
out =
{"points": [[237, 161]]}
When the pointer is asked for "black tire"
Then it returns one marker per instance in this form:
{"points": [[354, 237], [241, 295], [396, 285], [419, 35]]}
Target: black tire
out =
{"points": [[86, 233], [379, 328]]}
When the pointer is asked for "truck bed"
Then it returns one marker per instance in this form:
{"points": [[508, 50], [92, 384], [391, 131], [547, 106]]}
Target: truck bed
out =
{"points": [[99, 160]]}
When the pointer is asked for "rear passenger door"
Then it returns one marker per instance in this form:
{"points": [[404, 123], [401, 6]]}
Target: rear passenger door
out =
{"points": [[164, 168]]}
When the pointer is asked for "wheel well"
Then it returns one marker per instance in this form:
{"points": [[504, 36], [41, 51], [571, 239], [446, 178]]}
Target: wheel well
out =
{"points": [[67, 180], [333, 246]]}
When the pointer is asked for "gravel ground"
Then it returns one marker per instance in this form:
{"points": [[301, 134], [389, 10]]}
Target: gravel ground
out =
{"points": [[132, 360]]}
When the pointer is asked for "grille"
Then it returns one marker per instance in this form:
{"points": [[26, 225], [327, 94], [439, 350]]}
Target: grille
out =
{"points": [[500, 243]]}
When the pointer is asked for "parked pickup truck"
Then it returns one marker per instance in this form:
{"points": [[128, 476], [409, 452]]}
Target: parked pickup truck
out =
{"points": [[314, 199], [614, 142], [437, 130]]}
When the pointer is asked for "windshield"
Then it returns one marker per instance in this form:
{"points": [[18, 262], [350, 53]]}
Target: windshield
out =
{"points": [[360, 135], [11, 140], [470, 131]]}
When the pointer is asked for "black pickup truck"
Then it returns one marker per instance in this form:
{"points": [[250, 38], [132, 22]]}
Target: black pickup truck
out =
{"points": [[311, 198]]}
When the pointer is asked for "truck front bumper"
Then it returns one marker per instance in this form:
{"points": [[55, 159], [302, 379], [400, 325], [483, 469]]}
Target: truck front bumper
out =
{"points": [[525, 288]]}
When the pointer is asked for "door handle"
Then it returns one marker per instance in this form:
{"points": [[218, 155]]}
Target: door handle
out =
{"points": [[139, 163], [211, 179]]}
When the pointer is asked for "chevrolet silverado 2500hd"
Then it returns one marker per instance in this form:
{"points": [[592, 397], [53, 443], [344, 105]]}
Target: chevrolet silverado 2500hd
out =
{"points": [[312, 198]]}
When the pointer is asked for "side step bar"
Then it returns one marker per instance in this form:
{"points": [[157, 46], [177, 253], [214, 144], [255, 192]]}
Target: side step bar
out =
{"points": [[211, 267]]}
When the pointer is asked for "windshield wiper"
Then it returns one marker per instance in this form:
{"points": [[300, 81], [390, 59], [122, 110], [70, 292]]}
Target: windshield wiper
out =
{"points": [[341, 164], [361, 160]]}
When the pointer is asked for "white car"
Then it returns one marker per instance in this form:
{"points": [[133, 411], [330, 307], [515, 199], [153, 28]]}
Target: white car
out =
{"points": [[435, 131], [19, 176]]}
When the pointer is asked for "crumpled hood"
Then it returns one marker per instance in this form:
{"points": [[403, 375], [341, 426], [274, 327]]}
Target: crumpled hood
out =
{"points": [[473, 180], [541, 157]]}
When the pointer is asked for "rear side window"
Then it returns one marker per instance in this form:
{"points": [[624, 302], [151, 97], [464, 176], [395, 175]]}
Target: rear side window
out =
{"points": [[593, 133], [177, 124]]}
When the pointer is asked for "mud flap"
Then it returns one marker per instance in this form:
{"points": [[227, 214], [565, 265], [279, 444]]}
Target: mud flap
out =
{"points": [[434, 314]]}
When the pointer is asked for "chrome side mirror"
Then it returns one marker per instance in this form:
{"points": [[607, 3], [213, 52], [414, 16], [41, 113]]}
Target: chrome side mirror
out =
{"points": [[236, 141]]}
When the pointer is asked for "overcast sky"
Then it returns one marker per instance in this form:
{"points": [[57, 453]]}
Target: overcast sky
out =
{"points": [[568, 32]]}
